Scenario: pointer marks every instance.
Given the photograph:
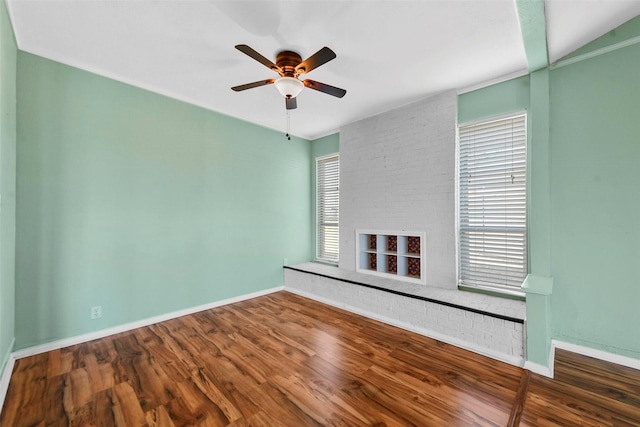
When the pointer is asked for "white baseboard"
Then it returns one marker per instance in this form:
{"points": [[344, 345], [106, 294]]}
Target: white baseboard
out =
{"points": [[512, 360], [618, 359], [538, 369], [66, 342], [548, 372], [7, 363], [7, 355]]}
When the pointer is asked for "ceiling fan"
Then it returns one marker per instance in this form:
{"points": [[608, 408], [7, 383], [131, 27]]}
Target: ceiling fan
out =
{"points": [[289, 65]]}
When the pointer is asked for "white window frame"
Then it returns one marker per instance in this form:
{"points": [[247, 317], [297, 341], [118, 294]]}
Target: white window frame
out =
{"points": [[328, 245], [480, 265]]}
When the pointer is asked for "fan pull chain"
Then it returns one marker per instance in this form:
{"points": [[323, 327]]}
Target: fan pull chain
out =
{"points": [[288, 125]]}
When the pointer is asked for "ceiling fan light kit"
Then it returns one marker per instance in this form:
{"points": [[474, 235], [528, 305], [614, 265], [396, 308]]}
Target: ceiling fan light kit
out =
{"points": [[289, 87]]}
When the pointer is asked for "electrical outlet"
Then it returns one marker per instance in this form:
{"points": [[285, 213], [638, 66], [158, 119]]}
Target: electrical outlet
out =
{"points": [[96, 312], [285, 262]]}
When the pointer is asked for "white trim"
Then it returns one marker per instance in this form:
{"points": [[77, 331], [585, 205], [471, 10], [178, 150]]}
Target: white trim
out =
{"points": [[4, 380], [495, 118], [538, 369], [512, 360], [7, 370], [499, 292], [492, 82], [66, 342], [323, 134], [7, 364], [7, 356], [607, 49], [618, 359], [327, 156]]}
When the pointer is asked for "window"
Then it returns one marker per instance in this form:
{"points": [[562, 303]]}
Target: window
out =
{"points": [[492, 201], [327, 207]]}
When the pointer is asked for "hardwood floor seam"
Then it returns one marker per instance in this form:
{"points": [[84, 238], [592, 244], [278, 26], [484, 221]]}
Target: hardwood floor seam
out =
{"points": [[520, 399]]}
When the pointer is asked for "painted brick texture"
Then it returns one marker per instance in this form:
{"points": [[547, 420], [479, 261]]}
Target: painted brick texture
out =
{"points": [[397, 172], [498, 338]]}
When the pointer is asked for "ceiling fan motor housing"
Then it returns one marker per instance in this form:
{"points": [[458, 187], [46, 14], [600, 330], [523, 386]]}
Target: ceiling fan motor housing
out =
{"points": [[288, 61]]}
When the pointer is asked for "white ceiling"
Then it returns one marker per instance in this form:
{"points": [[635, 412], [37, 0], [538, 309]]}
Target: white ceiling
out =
{"points": [[389, 53]]}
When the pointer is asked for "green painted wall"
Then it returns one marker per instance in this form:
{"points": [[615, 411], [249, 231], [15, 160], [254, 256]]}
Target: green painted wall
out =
{"points": [[502, 98], [319, 147], [143, 204], [538, 284], [8, 52], [628, 31], [327, 145], [595, 199]]}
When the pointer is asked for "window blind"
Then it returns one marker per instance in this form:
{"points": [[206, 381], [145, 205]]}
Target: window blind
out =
{"points": [[492, 203], [328, 210]]}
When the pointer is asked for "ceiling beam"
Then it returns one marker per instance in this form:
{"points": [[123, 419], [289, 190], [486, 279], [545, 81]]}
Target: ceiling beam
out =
{"points": [[534, 32]]}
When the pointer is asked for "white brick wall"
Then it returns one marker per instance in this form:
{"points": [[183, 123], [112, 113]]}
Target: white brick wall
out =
{"points": [[397, 172], [484, 334]]}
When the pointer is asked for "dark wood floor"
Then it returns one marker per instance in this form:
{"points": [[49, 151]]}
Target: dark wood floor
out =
{"points": [[283, 360]]}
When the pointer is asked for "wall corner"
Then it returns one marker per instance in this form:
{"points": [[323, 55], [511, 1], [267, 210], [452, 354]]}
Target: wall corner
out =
{"points": [[538, 290]]}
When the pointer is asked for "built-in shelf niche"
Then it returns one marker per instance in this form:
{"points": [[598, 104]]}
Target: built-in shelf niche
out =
{"points": [[398, 255]]}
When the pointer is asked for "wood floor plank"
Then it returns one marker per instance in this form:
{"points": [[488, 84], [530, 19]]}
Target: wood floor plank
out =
{"points": [[126, 408], [203, 407], [54, 403], [103, 408], [29, 390], [54, 364], [77, 387], [284, 360], [159, 417], [260, 419], [615, 382], [585, 391], [273, 402], [328, 395], [209, 387]]}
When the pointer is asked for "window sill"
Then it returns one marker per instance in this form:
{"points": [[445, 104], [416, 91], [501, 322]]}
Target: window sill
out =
{"points": [[327, 263], [500, 293]]}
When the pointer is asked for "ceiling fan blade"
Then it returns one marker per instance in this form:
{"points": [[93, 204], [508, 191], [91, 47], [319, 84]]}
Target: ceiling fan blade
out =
{"points": [[291, 103], [261, 59], [322, 56], [254, 84], [323, 87]]}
